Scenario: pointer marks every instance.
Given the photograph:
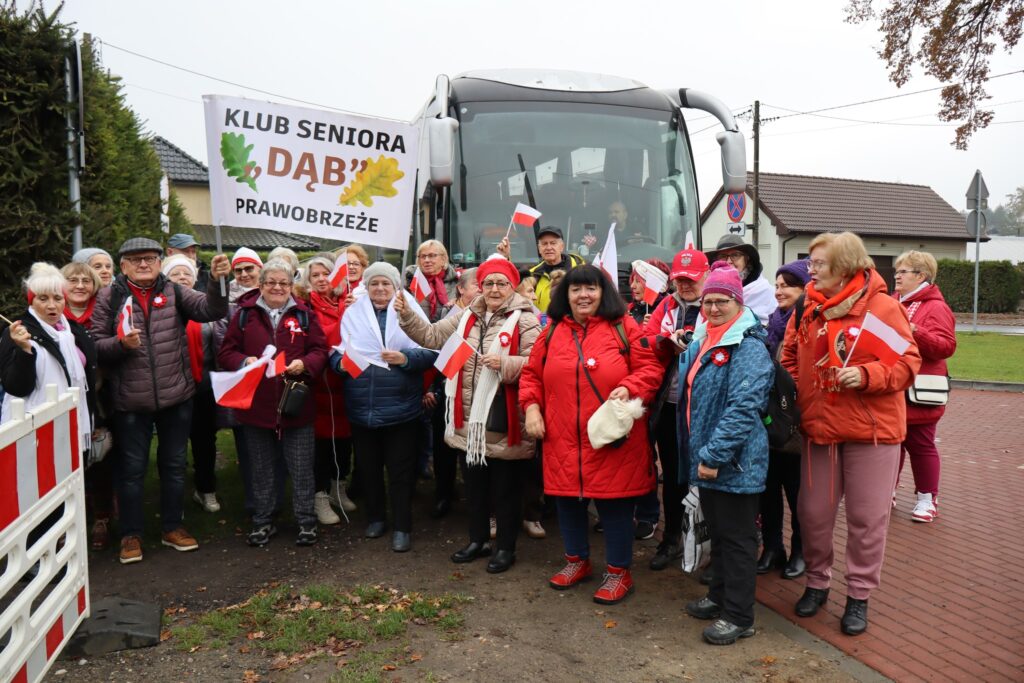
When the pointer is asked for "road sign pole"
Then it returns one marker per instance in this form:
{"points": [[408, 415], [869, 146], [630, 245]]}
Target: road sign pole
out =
{"points": [[977, 247]]}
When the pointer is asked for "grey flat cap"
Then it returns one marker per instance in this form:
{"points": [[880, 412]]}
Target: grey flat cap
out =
{"points": [[137, 244], [182, 240]]}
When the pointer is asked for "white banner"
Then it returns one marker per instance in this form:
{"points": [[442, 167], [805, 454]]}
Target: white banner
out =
{"points": [[312, 172]]}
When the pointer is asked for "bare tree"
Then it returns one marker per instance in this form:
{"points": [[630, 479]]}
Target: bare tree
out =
{"points": [[952, 40]]}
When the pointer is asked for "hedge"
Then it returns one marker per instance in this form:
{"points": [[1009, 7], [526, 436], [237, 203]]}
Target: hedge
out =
{"points": [[999, 286]]}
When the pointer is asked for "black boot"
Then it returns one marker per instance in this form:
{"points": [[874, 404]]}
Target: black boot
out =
{"points": [[796, 566], [855, 618], [811, 601], [771, 558]]}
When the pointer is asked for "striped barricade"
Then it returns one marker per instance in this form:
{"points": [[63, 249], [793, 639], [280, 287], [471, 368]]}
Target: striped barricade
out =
{"points": [[44, 577]]}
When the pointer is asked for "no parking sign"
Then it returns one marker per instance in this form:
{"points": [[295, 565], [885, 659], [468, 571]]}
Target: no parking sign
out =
{"points": [[736, 206]]}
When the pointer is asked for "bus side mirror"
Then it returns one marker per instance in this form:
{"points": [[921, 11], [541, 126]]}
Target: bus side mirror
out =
{"points": [[441, 138], [734, 161]]}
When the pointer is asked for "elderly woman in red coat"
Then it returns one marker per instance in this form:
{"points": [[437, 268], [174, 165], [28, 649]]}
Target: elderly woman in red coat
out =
{"points": [[934, 329], [589, 353]]}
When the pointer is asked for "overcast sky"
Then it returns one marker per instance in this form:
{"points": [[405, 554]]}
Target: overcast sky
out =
{"points": [[381, 58]]}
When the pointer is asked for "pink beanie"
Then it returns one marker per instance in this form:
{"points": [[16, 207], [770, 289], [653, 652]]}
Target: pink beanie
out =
{"points": [[724, 279]]}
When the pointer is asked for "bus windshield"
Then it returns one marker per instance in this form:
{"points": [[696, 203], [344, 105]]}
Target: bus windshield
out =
{"points": [[583, 166]]}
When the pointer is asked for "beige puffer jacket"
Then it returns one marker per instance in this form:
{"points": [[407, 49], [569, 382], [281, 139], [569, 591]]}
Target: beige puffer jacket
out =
{"points": [[480, 337]]}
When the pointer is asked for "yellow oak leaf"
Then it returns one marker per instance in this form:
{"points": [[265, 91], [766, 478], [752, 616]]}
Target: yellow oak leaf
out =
{"points": [[376, 180]]}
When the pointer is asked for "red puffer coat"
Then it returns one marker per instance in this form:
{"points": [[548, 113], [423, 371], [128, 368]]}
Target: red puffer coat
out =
{"points": [[554, 379], [935, 336], [331, 421]]}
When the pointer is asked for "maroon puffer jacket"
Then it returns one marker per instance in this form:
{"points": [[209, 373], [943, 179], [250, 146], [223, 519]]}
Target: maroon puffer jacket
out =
{"points": [[935, 335], [310, 347], [554, 379], [158, 374]]}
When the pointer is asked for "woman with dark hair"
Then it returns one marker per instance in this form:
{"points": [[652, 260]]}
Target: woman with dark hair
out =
{"points": [[784, 463], [589, 354]]}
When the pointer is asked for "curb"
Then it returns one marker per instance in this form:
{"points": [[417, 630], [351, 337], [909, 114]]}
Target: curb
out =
{"points": [[983, 385]]}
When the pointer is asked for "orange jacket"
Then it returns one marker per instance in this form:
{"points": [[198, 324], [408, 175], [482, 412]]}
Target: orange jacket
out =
{"points": [[876, 412]]}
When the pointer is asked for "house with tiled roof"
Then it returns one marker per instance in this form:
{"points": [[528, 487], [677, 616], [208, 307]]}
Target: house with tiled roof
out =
{"points": [[890, 217], [189, 178]]}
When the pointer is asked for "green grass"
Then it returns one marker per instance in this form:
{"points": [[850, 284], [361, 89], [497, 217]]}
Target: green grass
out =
{"points": [[988, 356], [321, 620]]}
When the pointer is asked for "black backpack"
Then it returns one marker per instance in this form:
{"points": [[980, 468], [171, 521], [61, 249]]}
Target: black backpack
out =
{"points": [[782, 416]]}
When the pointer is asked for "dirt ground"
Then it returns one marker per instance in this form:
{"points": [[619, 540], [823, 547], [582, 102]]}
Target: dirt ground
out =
{"points": [[516, 628]]}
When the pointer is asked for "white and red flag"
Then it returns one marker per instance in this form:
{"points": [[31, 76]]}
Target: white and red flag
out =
{"points": [[278, 366], [353, 362], [525, 215], [608, 259], [236, 389], [419, 287], [124, 319], [453, 355], [339, 276], [655, 280], [880, 340], [688, 243]]}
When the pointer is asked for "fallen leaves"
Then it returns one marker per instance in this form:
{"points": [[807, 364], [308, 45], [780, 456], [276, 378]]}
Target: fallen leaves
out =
{"points": [[251, 676], [611, 623]]}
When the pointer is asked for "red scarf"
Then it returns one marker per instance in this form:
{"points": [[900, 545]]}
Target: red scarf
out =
{"points": [[832, 310], [85, 320], [194, 333], [439, 294], [141, 295], [511, 390]]}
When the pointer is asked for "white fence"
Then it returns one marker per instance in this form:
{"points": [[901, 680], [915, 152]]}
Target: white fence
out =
{"points": [[41, 474]]}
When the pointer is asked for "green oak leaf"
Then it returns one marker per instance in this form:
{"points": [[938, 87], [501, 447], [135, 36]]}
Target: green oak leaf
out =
{"points": [[234, 154]]}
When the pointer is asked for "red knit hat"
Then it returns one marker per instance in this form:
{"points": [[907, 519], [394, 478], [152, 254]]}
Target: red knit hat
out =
{"points": [[724, 279], [497, 264]]}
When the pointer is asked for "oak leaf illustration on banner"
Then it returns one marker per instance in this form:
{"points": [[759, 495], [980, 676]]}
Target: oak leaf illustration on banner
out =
{"points": [[234, 155], [376, 180]]}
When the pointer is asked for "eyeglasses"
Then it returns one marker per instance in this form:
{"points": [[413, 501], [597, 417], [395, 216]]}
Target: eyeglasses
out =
{"points": [[354, 264], [905, 272], [148, 259], [430, 256], [495, 284], [731, 256], [244, 270], [716, 303], [272, 284], [74, 281], [816, 265]]}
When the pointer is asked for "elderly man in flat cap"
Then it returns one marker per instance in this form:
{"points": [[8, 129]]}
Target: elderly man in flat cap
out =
{"points": [[150, 382]]}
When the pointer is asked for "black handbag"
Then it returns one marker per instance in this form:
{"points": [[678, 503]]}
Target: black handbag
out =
{"points": [[497, 419], [293, 399]]}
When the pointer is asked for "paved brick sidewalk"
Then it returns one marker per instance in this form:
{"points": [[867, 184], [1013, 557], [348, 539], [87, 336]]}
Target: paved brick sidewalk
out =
{"points": [[951, 603]]}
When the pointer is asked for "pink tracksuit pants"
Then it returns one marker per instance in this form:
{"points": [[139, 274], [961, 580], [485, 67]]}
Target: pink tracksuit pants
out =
{"points": [[864, 475]]}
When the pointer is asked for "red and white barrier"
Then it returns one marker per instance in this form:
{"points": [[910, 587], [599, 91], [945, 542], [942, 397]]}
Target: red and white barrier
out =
{"points": [[40, 474]]}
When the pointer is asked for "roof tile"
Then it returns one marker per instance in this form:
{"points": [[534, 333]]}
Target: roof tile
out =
{"points": [[179, 166]]}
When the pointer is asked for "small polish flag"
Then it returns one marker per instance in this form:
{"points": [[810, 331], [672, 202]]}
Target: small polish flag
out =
{"points": [[277, 367], [124, 319], [655, 282], [419, 287], [236, 389], [353, 363], [339, 276], [608, 259], [525, 215], [453, 355], [688, 243], [881, 340]]}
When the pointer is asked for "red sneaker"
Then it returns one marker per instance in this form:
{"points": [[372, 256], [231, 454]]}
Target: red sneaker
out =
{"points": [[618, 583], [577, 569]]}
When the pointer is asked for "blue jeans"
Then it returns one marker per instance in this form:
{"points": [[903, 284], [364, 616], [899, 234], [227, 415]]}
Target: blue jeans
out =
{"points": [[133, 433], [617, 518]]}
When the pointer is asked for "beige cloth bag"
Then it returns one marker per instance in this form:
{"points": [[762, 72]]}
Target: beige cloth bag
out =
{"points": [[613, 421]]}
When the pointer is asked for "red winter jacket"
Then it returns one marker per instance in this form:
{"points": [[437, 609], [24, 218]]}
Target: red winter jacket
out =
{"points": [[554, 379], [935, 336], [310, 347], [331, 421]]}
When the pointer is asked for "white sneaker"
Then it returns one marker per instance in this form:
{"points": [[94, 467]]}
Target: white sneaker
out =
{"points": [[208, 501], [925, 510], [339, 496], [534, 529], [322, 505]]}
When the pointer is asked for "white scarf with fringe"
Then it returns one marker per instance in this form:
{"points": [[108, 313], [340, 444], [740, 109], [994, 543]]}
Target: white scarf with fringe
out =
{"points": [[483, 395]]}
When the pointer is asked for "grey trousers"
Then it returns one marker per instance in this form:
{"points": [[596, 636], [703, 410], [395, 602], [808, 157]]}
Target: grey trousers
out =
{"points": [[296, 448]]}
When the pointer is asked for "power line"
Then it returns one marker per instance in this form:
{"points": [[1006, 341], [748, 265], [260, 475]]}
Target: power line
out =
{"points": [[242, 85], [887, 122]]}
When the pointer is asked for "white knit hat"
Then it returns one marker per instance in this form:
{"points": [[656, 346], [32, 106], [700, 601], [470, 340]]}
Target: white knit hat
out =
{"points": [[172, 262], [246, 255], [385, 269]]}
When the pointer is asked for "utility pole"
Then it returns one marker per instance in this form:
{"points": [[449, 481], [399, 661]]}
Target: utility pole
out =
{"points": [[757, 167]]}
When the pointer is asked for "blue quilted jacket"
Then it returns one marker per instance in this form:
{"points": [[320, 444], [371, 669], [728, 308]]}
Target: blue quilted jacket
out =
{"points": [[379, 397], [726, 429]]}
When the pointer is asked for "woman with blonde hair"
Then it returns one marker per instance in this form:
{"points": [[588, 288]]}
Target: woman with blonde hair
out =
{"points": [[853, 417], [432, 260], [934, 329]]}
